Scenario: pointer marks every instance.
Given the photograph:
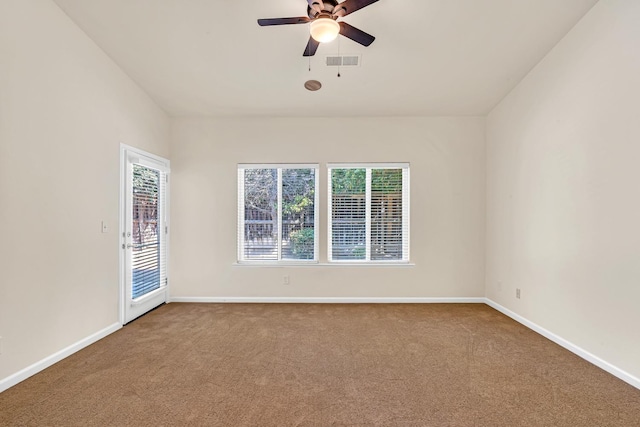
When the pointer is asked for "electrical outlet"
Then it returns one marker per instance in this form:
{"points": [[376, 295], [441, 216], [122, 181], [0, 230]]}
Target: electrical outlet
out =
{"points": [[518, 293], [285, 279]]}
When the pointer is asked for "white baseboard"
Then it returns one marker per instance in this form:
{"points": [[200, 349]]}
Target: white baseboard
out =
{"points": [[41, 365], [332, 300], [578, 351]]}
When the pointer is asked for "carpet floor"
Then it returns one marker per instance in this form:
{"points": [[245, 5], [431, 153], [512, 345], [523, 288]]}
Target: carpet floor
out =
{"points": [[322, 365]]}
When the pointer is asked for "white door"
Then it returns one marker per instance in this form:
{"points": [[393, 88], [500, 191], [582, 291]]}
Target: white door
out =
{"points": [[144, 232]]}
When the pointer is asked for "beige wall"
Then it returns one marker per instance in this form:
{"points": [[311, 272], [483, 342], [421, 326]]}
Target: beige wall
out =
{"points": [[563, 189], [447, 204], [561, 205], [64, 110]]}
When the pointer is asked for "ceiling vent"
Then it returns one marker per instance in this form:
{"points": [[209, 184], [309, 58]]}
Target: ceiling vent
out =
{"points": [[344, 61]]}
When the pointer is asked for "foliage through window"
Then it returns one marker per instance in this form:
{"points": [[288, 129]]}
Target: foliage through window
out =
{"points": [[369, 209], [277, 210]]}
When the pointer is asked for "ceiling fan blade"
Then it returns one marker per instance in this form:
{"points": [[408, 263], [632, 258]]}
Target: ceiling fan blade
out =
{"points": [[355, 34], [311, 48], [283, 21], [350, 6]]}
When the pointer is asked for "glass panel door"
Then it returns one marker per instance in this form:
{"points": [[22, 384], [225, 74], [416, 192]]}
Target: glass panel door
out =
{"points": [[145, 233]]}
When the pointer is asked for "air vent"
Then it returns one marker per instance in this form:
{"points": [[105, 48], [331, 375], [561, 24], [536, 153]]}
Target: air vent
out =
{"points": [[333, 61], [343, 60], [350, 61]]}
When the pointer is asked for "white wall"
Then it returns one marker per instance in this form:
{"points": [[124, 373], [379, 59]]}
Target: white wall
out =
{"points": [[64, 109], [563, 189], [447, 204]]}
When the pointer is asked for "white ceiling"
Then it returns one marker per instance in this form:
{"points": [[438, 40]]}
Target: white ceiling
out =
{"points": [[430, 57]]}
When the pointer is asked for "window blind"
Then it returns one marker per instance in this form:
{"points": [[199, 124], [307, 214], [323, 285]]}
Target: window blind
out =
{"points": [[277, 217], [386, 214], [369, 212], [348, 214], [260, 210]]}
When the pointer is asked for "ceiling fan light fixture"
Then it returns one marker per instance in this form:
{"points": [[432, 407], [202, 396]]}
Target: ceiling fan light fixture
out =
{"points": [[324, 30]]}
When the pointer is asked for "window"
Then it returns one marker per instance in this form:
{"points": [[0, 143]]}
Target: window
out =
{"points": [[277, 213], [369, 212]]}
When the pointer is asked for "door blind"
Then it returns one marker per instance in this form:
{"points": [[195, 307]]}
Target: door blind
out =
{"points": [[148, 231]]}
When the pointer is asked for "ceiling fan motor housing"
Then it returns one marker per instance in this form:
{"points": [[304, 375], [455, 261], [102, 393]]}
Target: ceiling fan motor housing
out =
{"points": [[327, 9]]}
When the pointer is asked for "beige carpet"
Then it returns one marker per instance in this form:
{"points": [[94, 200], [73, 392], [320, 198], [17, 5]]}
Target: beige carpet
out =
{"points": [[322, 365]]}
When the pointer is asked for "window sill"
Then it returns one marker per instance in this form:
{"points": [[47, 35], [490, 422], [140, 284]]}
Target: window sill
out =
{"points": [[324, 264]]}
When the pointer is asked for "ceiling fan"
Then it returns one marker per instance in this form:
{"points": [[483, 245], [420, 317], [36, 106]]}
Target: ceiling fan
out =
{"points": [[323, 16]]}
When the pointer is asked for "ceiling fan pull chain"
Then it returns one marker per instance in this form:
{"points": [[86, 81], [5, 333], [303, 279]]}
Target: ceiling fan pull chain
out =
{"points": [[340, 64]]}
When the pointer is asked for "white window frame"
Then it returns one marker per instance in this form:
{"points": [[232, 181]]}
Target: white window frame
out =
{"points": [[279, 167], [405, 211]]}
